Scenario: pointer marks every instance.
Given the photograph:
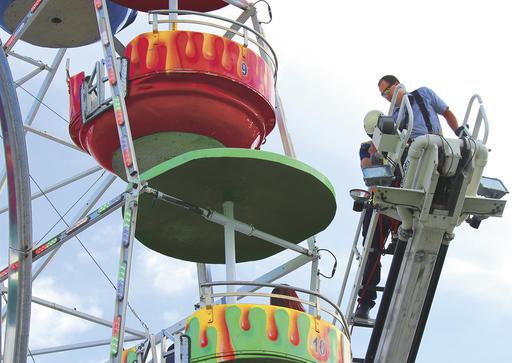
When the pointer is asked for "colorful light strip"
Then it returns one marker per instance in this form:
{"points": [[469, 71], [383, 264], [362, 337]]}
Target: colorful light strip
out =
{"points": [[103, 208], [15, 35], [110, 70], [13, 267], [114, 343], [118, 111], [121, 276], [45, 246], [77, 225], [127, 217], [104, 34], [127, 157], [35, 6]]}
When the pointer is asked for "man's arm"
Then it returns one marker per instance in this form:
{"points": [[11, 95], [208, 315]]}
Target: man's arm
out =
{"points": [[366, 162], [451, 120], [364, 154]]}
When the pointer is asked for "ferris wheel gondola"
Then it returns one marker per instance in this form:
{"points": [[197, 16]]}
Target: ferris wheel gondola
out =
{"points": [[62, 24], [193, 5]]}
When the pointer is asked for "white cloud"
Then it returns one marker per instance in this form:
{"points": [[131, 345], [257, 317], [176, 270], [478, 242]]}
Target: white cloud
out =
{"points": [[50, 327], [481, 282], [167, 276]]}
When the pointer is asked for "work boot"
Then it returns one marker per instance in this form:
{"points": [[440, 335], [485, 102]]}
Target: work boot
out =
{"points": [[391, 248], [362, 312]]}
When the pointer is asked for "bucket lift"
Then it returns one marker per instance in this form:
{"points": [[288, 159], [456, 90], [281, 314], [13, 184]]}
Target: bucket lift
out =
{"points": [[440, 181]]}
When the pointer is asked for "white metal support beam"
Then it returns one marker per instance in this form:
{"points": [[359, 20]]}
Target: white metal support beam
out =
{"points": [[38, 99], [51, 137], [286, 139], [82, 315], [230, 252], [59, 185], [92, 344], [91, 202]]}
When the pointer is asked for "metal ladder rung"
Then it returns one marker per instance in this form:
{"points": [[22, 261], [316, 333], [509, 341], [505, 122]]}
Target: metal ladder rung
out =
{"points": [[363, 323]]}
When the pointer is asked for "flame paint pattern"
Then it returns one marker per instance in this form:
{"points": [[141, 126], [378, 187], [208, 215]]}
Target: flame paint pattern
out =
{"points": [[184, 82], [225, 333], [187, 51]]}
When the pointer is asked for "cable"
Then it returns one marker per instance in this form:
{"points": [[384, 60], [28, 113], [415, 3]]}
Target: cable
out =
{"points": [[269, 11], [333, 267], [72, 206], [41, 102], [66, 223], [451, 150], [89, 253], [31, 356]]}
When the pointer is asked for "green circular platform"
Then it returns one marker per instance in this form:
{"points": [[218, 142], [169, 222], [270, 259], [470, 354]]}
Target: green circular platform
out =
{"points": [[274, 193], [159, 147]]}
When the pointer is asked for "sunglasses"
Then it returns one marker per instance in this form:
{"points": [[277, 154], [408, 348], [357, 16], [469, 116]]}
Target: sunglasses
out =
{"points": [[386, 91]]}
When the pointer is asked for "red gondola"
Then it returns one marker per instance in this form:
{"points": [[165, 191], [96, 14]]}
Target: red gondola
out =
{"points": [[186, 90], [195, 5]]}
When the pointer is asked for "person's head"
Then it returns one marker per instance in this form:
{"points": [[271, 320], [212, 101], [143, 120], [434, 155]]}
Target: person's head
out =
{"points": [[290, 304], [387, 86]]}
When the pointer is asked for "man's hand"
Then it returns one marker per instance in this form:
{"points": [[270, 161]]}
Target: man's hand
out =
{"points": [[463, 131]]}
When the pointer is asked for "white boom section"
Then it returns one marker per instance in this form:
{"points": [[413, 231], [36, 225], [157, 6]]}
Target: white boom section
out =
{"points": [[431, 216]]}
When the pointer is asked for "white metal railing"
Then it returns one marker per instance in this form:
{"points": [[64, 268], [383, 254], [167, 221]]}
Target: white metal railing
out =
{"points": [[249, 37], [335, 312], [93, 97], [405, 136], [481, 116]]}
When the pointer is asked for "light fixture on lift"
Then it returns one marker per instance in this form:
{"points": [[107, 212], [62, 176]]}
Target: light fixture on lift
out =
{"points": [[378, 175], [361, 197], [491, 188], [488, 188]]}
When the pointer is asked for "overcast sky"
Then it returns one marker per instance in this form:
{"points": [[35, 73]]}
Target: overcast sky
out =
{"points": [[331, 55]]}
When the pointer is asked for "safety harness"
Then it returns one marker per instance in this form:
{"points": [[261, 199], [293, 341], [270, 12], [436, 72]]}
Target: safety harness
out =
{"points": [[416, 97]]}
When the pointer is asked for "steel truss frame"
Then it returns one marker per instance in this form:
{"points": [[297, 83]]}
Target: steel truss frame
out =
{"points": [[85, 219]]}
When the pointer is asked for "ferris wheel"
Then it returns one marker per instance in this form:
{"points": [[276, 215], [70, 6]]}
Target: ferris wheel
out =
{"points": [[175, 118]]}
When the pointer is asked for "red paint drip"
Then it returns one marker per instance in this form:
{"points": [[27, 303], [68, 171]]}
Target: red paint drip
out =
{"points": [[203, 341], [294, 329], [341, 358], [320, 346], [272, 332], [226, 348], [245, 324]]}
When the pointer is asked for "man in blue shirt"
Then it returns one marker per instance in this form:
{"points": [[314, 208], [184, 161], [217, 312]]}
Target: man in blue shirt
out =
{"points": [[426, 105]]}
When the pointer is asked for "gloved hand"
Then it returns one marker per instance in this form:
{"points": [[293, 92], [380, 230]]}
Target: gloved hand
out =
{"points": [[462, 131]]}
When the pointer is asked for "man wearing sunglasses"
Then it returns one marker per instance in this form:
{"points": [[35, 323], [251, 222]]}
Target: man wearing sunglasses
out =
{"points": [[426, 106]]}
